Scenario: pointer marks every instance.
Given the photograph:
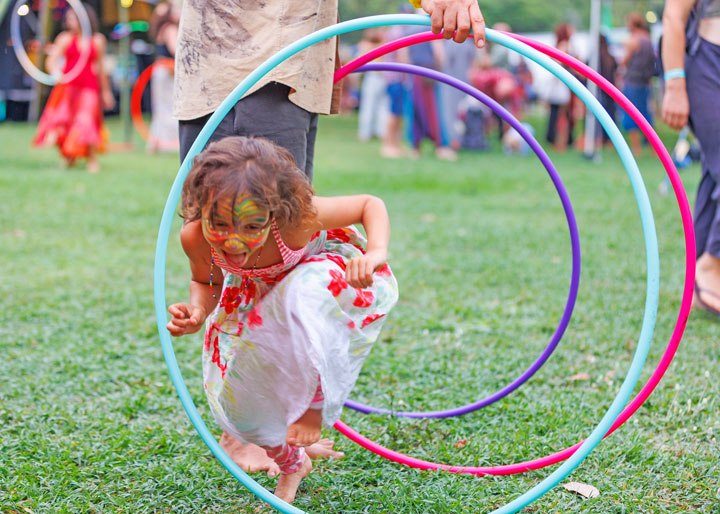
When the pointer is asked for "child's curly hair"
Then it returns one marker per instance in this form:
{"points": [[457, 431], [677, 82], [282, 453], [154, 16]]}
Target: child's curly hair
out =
{"points": [[252, 165]]}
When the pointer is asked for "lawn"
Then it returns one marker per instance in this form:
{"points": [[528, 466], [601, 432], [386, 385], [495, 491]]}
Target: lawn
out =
{"points": [[90, 422]]}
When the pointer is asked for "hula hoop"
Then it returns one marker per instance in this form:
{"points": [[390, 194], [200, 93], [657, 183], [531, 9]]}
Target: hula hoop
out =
{"points": [[652, 257], [572, 226], [683, 314], [26, 63], [137, 92]]}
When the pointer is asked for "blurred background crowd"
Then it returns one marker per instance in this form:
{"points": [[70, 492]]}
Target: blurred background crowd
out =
{"points": [[400, 110]]}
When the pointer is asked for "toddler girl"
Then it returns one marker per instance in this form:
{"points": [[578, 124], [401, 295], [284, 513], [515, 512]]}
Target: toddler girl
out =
{"points": [[292, 296]]}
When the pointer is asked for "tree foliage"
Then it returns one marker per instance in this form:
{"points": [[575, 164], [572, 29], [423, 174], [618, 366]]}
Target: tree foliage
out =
{"points": [[521, 15]]}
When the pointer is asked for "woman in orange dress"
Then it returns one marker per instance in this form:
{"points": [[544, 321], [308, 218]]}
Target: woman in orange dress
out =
{"points": [[73, 116]]}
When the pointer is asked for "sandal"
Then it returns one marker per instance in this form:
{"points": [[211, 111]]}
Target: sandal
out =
{"points": [[699, 291]]}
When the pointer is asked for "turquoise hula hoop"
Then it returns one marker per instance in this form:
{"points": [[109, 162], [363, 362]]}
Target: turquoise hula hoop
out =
{"points": [[646, 217]]}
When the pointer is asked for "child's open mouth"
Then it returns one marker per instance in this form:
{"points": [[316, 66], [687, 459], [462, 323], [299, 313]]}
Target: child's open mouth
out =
{"points": [[236, 259]]}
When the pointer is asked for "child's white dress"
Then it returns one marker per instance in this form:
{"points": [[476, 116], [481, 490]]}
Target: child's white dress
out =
{"points": [[277, 330]]}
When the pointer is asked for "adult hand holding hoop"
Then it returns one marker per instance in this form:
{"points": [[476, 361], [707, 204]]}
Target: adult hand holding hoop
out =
{"points": [[455, 17]]}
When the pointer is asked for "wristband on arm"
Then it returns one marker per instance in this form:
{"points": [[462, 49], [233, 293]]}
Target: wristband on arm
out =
{"points": [[417, 4], [675, 73]]}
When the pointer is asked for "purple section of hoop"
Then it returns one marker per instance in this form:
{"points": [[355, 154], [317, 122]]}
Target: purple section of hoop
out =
{"points": [[574, 241]]}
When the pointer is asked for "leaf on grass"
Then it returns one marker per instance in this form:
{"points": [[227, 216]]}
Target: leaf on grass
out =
{"points": [[586, 490], [579, 376], [461, 443]]}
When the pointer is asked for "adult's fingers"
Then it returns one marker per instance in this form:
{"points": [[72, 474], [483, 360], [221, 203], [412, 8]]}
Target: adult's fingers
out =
{"points": [[478, 24], [436, 19], [463, 26], [450, 21]]}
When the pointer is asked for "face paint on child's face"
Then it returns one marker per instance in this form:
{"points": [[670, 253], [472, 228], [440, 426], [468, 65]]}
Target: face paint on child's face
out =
{"points": [[237, 229]]}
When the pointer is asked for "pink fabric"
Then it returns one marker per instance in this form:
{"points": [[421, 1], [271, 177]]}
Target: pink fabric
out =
{"points": [[289, 458], [87, 78]]}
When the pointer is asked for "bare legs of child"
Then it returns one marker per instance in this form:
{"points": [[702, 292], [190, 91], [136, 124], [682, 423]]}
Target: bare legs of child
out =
{"points": [[288, 484], [252, 459]]}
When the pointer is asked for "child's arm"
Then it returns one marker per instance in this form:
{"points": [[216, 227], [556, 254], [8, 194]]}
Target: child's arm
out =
{"points": [[188, 318], [342, 211]]}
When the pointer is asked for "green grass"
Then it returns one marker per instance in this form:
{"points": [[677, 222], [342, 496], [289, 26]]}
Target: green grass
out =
{"points": [[90, 422]]}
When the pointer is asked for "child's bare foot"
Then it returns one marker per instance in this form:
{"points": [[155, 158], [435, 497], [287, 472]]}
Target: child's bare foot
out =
{"points": [[287, 485], [323, 449], [93, 166], [306, 430], [251, 458]]}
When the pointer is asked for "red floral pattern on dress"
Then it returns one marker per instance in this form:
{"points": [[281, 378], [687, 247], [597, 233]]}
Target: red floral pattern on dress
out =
{"points": [[339, 234], [208, 335], [254, 319], [342, 235], [230, 299], [363, 299], [338, 282], [384, 271], [216, 356], [351, 324], [369, 319], [337, 260]]}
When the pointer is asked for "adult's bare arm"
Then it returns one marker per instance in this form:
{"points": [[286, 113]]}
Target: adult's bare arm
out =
{"points": [[675, 105]]}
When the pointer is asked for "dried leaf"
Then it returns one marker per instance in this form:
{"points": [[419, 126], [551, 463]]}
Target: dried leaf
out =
{"points": [[579, 376], [461, 443], [586, 490]]}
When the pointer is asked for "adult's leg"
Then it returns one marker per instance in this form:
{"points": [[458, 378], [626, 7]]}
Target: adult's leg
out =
{"points": [[703, 84], [188, 131], [266, 113], [270, 114], [551, 133]]}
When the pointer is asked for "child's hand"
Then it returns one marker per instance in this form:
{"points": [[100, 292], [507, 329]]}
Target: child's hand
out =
{"points": [[186, 319], [359, 272]]}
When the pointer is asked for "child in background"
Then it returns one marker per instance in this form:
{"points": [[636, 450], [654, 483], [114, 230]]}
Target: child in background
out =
{"points": [[293, 296], [73, 116]]}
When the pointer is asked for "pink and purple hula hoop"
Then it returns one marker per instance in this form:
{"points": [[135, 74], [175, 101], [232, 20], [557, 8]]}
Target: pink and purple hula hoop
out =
{"points": [[572, 226], [683, 313]]}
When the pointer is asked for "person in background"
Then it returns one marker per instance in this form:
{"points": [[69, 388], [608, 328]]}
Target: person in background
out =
{"points": [[608, 69], [639, 64], [73, 115], [691, 61], [457, 63], [560, 118], [163, 29], [374, 101], [397, 85]]}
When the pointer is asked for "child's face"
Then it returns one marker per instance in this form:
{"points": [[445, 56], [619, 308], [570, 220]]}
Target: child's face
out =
{"points": [[235, 227]]}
